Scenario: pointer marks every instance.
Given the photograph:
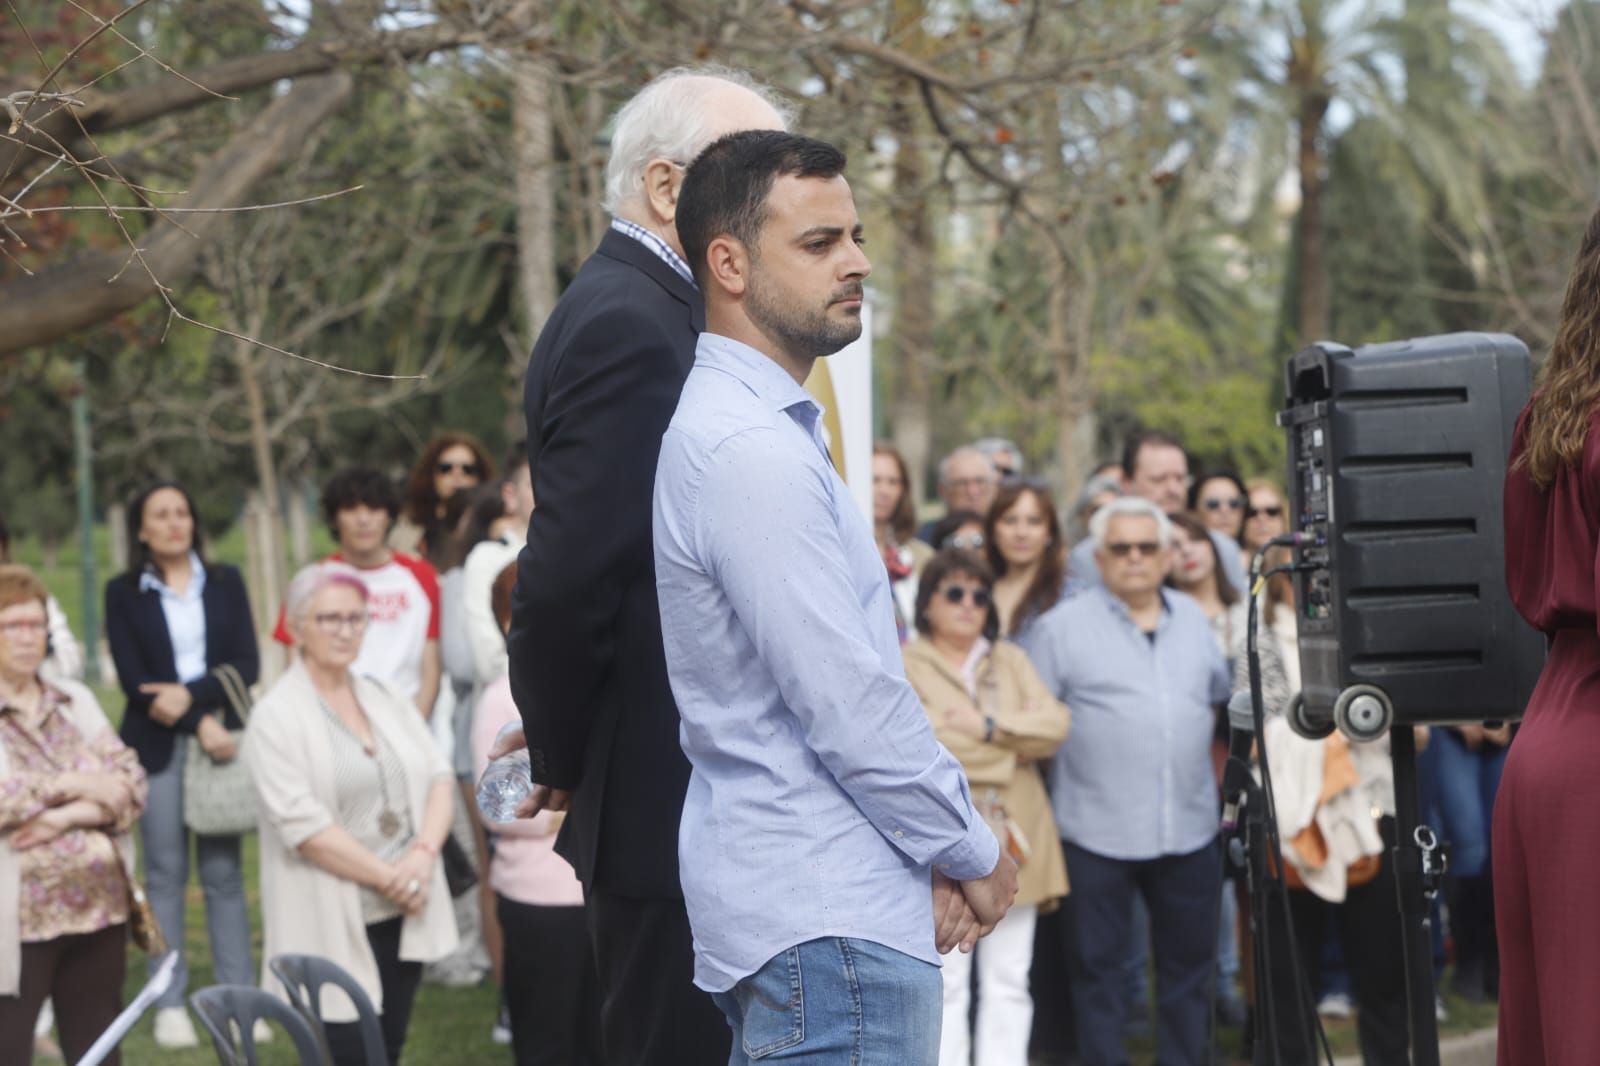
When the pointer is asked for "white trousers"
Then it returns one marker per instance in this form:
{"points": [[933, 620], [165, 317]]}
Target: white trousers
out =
{"points": [[1005, 1007]]}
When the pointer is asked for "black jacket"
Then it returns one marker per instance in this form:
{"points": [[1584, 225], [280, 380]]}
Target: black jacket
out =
{"points": [[142, 649], [587, 667]]}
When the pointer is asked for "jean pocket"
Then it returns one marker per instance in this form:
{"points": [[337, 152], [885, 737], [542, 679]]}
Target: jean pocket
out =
{"points": [[772, 1006]]}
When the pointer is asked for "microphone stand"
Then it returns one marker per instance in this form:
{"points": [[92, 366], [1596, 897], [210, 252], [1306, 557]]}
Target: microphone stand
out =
{"points": [[1419, 868]]}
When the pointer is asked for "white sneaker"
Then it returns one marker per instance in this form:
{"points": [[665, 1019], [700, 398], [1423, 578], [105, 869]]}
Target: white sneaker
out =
{"points": [[1335, 1005], [501, 1033], [261, 1032], [174, 1029]]}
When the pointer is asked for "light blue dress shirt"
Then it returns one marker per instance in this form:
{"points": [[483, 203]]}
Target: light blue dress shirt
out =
{"points": [[819, 798], [186, 618], [1134, 781]]}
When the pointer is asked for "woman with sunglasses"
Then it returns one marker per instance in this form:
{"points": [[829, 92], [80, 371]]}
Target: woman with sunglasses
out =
{"points": [[992, 711], [1220, 500], [452, 461], [1024, 548]]}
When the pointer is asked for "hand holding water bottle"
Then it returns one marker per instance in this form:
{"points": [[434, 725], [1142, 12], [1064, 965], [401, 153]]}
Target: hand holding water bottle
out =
{"points": [[506, 790]]}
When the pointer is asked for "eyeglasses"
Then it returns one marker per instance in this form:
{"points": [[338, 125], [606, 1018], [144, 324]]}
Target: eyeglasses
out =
{"points": [[1232, 503], [1274, 511], [969, 541], [1125, 548], [470, 469], [332, 622], [26, 627], [970, 482], [957, 594]]}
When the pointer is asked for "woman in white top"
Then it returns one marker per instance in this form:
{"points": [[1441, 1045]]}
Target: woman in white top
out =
{"points": [[354, 802]]}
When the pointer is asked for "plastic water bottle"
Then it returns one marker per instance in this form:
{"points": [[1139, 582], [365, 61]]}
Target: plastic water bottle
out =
{"points": [[505, 783]]}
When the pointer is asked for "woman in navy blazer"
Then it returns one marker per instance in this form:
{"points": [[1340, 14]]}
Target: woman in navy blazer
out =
{"points": [[172, 621]]}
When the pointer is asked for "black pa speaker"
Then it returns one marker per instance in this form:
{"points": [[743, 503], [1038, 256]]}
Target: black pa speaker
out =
{"points": [[1397, 464]]}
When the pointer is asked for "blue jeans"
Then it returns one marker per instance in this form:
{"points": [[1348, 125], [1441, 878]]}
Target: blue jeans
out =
{"points": [[166, 862], [837, 1000], [1460, 786]]}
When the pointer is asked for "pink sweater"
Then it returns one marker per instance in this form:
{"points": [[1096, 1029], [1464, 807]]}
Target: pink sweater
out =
{"points": [[525, 868]]}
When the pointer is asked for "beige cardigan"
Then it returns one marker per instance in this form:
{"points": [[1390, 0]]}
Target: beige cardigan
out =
{"points": [[84, 712], [304, 909]]}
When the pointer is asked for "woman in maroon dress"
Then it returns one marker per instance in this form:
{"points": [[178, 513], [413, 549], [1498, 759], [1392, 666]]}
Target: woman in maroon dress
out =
{"points": [[1546, 837]]}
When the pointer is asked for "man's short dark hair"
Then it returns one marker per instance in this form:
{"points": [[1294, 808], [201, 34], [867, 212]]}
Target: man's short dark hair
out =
{"points": [[353, 487], [1146, 438], [725, 189]]}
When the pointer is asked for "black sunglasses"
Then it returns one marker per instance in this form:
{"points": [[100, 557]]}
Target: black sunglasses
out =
{"points": [[1271, 512], [955, 594], [1232, 503], [470, 469], [1123, 549]]}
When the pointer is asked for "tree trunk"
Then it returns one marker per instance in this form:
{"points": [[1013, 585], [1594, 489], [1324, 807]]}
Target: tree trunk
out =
{"points": [[536, 257], [53, 303], [273, 579], [1315, 293]]}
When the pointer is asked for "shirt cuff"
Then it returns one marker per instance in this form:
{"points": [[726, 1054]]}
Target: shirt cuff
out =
{"points": [[973, 856]]}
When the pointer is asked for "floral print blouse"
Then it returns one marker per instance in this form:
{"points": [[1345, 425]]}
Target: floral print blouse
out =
{"points": [[74, 883]]}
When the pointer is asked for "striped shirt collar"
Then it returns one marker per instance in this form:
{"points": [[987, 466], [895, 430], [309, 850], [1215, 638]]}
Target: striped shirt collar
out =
{"points": [[663, 250]]}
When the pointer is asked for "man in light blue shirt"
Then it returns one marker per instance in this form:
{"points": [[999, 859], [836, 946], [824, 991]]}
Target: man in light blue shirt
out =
{"points": [[819, 802], [1134, 792]]}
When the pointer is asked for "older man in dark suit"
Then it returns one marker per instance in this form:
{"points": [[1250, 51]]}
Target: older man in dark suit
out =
{"points": [[587, 666]]}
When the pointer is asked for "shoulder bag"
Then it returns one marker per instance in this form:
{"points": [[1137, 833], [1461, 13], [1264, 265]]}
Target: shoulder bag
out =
{"points": [[218, 797]]}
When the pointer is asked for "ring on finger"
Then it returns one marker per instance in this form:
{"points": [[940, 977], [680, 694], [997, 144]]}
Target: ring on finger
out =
{"points": [[412, 887]]}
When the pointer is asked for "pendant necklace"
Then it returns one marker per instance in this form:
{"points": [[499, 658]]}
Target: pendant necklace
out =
{"points": [[388, 819]]}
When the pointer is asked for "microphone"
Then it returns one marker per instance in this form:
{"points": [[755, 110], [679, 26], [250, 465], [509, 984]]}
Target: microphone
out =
{"points": [[1236, 772]]}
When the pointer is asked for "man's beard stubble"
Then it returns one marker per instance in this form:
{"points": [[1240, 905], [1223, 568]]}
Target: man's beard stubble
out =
{"points": [[802, 334]]}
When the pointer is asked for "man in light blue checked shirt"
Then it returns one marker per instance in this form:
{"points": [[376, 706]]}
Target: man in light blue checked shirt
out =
{"points": [[824, 825], [1134, 792]]}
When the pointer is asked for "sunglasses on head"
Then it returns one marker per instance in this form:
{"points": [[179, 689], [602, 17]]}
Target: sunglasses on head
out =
{"points": [[1273, 511], [470, 469], [1232, 503], [1124, 548], [956, 594]]}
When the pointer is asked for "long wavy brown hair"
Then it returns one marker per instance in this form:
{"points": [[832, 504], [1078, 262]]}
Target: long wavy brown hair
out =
{"points": [[904, 519], [421, 502], [1568, 387], [1045, 590]]}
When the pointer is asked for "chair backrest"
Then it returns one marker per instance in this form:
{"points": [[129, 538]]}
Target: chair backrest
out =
{"points": [[304, 976], [229, 1013]]}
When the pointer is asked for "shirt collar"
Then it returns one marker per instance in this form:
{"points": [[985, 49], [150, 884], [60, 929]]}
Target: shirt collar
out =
{"points": [[1120, 609], [756, 372], [152, 579], [661, 248], [50, 698]]}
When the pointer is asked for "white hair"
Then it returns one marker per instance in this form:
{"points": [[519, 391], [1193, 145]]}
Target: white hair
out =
{"points": [[961, 453], [667, 119], [993, 447], [305, 585], [1129, 507]]}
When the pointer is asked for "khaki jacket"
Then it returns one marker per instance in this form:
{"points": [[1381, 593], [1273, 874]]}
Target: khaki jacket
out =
{"points": [[1030, 726]]}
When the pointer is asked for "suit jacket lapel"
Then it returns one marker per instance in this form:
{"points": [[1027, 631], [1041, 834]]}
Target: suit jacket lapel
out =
{"points": [[154, 621], [625, 249]]}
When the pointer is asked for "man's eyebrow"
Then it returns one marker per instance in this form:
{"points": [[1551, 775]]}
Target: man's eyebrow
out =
{"points": [[822, 231]]}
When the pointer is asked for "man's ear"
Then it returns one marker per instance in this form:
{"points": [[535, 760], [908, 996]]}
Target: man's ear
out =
{"points": [[728, 265], [662, 180]]}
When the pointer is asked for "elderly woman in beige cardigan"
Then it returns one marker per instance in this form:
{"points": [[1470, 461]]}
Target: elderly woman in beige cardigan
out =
{"points": [[354, 803], [992, 711]]}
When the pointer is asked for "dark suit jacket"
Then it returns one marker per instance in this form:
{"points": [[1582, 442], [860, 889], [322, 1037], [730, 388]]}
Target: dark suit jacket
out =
{"points": [[136, 628], [587, 667]]}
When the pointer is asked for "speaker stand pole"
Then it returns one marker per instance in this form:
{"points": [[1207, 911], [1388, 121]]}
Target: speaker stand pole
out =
{"points": [[1418, 867]]}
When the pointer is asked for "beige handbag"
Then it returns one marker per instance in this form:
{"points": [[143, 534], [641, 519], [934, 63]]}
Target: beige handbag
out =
{"points": [[218, 798]]}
